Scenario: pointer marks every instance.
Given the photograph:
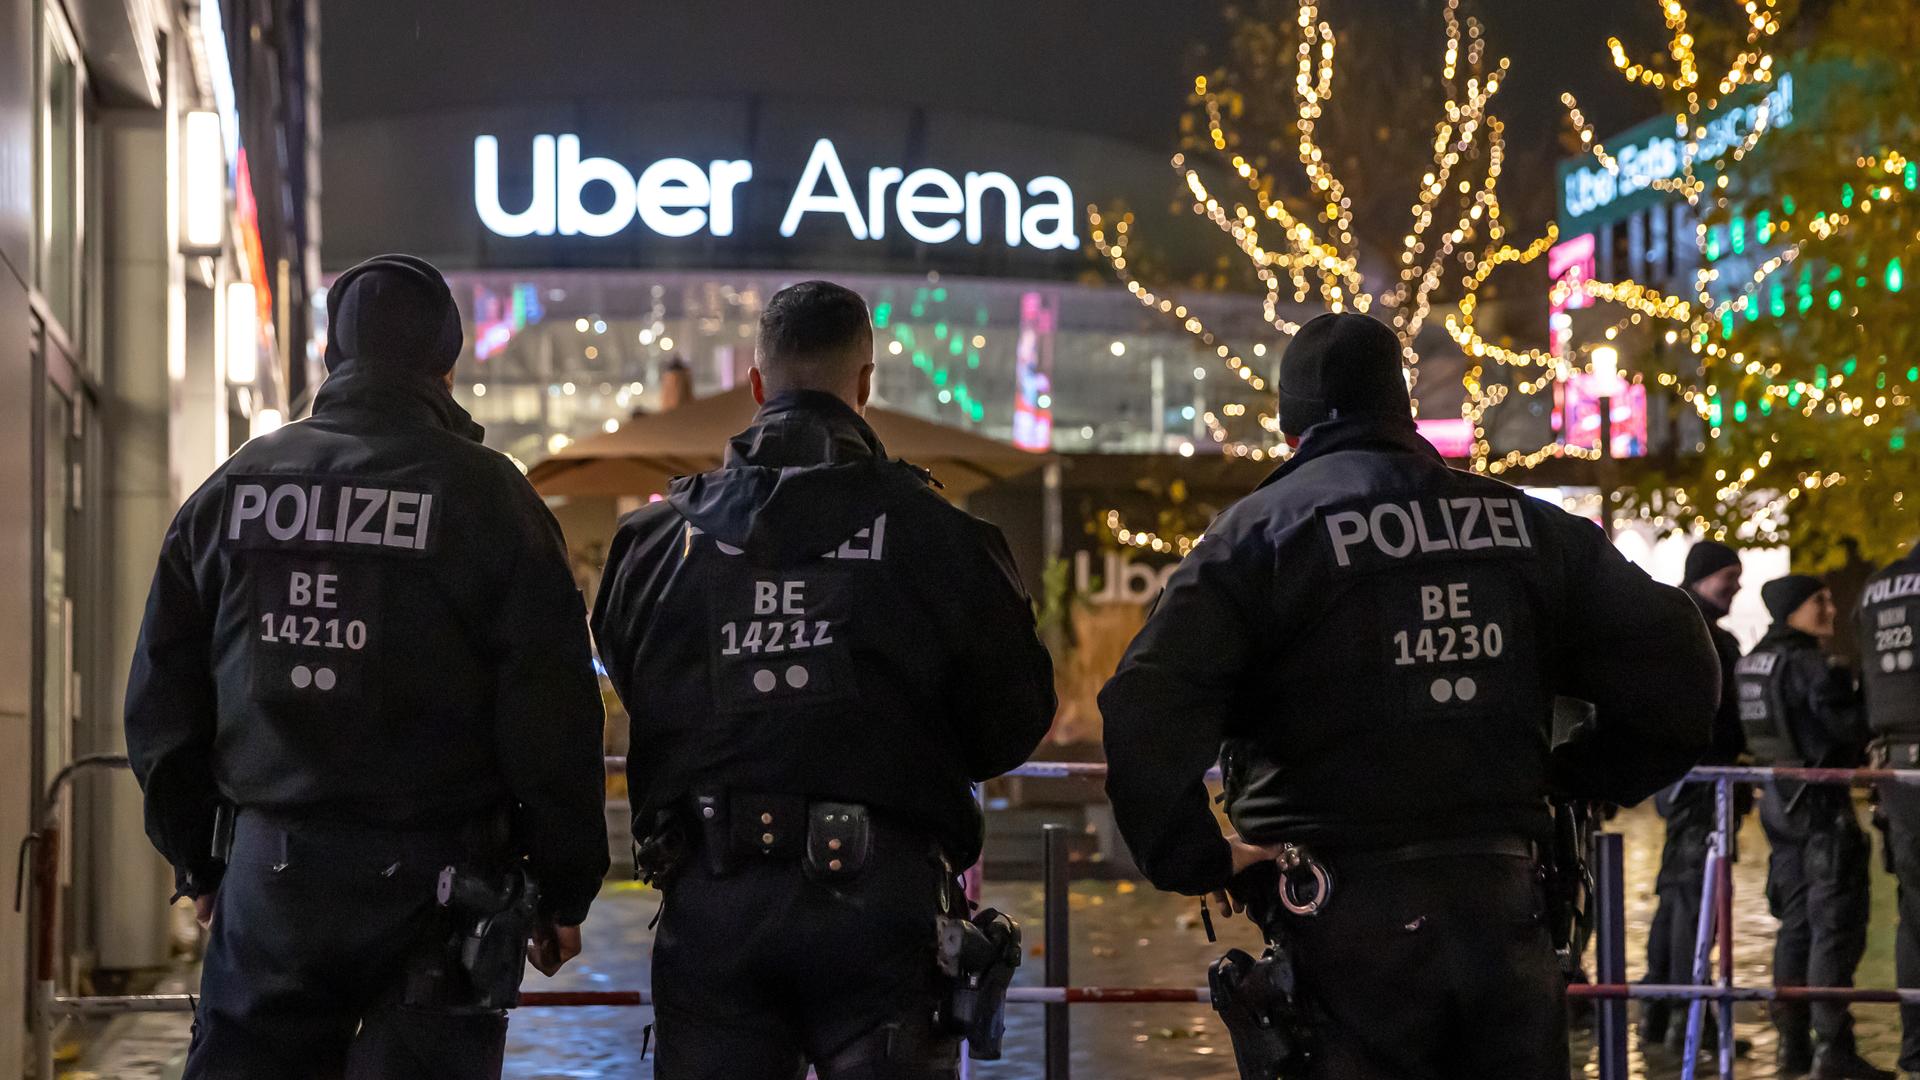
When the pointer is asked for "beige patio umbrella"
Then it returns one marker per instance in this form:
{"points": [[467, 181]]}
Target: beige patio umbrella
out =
{"points": [[645, 452]]}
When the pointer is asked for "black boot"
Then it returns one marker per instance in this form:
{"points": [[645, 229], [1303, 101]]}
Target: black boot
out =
{"points": [[1832, 1063], [1709, 1036], [1654, 1018], [1795, 1054]]}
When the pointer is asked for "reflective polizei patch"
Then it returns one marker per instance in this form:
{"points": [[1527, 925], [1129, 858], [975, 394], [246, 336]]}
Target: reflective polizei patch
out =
{"points": [[779, 638]]}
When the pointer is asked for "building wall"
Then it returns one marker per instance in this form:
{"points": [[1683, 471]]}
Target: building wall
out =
{"points": [[16, 490]]}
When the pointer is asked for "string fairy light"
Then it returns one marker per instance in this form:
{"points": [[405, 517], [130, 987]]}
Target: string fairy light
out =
{"points": [[1455, 217]]}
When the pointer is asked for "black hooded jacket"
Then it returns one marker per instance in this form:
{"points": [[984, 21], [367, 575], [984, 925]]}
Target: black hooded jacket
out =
{"points": [[1888, 621], [1372, 643], [1729, 737], [813, 619], [1797, 708], [367, 616]]}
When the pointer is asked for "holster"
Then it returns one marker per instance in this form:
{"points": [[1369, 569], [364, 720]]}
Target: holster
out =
{"points": [[478, 963], [978, 958], [1566, 883], [665, 848], [1257, 1001]]}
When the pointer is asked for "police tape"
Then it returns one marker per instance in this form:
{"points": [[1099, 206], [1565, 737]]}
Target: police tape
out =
{"points": [[111, 1004], [1746, 774], [105, 1005]]}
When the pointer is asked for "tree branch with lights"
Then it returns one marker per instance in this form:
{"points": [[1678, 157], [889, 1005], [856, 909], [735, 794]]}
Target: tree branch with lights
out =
{"points": [[1256, 166], [1801, 365]]}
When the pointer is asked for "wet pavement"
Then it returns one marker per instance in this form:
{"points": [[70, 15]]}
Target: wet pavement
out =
{"points": [[1123, 935], [1127, 935]]}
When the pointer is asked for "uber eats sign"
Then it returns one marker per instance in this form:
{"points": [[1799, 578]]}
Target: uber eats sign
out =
{"points": [[678, 197]]}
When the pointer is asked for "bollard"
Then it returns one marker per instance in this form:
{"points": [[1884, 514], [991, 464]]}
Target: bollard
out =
{"points": [[1610, 953], [1723, 915], [1055, 912], [1702, 950]]}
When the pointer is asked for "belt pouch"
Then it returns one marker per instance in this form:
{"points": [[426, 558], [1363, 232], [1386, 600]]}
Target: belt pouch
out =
{"points": [[770, 826], [839, 841]]}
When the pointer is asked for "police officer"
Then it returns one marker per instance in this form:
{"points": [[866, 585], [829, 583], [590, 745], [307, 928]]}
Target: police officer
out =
{"points": [[364, 655], [1799, 709], [1372, 645], [1711, 579], [819, 655], [1887, 619]]}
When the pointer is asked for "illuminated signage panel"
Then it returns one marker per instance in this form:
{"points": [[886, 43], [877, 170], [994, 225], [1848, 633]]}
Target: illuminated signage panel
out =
{"points": [[677, 197]]}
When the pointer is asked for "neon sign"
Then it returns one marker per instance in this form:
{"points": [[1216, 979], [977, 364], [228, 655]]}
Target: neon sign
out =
{"points": [[676, 197], [1657, 151]]}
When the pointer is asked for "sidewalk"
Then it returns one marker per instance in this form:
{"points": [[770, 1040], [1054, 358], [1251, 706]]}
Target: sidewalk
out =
{"points": [[139, 1046]]}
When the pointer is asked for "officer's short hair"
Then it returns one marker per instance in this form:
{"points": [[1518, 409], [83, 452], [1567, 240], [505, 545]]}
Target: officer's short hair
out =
{"points": [[811, 324]]}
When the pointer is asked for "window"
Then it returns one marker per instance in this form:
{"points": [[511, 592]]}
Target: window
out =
{"points": [[58, 180]]}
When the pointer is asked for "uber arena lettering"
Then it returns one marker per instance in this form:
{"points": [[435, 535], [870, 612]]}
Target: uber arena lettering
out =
{"points": [[676, 197], [1397, 530], [309, 514]]}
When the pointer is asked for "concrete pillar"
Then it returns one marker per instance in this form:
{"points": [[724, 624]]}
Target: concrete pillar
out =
{"points": [[138, 263], [17, 538], [199, 435]]}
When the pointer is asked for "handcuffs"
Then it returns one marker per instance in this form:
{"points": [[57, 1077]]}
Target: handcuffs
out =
{"points": [[1298, 870]]}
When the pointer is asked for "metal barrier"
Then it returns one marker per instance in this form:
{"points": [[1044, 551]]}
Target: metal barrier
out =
{"points": [[1611, 992]]}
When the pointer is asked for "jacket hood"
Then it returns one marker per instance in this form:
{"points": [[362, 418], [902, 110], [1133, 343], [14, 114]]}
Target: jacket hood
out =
{"points": [[1356, 432], [803, 478], [390, 391]]}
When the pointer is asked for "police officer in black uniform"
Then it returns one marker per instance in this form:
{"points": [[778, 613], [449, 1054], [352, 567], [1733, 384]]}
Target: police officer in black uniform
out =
{"points": [[1711, 579], [365, 659], [1887, 620], [819, 655], [1799, 710], [1372, 643]]}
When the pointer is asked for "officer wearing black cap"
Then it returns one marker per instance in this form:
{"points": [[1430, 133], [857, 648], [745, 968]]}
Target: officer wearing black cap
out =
{"points": [[1372, 644], [1711, 578], [362, 709], [1887, 620], [1799, 709], [819, 655]]}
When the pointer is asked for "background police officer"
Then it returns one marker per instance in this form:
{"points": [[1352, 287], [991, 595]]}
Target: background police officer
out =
{"points": [[1372, 644], [1799, 709], [1711, 579], [819, 655], [1887, 619], [363, 634]]}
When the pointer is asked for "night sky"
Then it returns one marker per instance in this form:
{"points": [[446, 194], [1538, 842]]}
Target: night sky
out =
{"points": [[1114, 67]]}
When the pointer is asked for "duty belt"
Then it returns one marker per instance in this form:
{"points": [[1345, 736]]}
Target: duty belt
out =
{"points": [[1306, 883], [1896, 752], [1365, 858]]}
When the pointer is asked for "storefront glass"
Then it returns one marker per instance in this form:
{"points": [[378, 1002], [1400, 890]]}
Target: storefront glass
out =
{"points": [[556, 356]]}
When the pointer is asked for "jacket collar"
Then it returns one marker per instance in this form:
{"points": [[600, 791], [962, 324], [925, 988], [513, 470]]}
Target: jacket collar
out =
{"points": [[804, 427], [1780, 634], [1711, 611], [1390, 434], [354, 385]]}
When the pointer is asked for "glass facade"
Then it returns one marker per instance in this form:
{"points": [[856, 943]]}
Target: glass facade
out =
{"points": [[58, 243], [556, 356]]}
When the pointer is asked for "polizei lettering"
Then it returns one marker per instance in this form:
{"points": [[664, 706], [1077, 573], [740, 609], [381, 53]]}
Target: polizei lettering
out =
{"points": [[1428, 526], [1892, 588], [318, 514]]}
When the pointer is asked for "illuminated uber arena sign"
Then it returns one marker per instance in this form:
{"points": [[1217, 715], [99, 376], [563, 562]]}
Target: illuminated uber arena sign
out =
{"points": [[1656, 151], [677, 197]]}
